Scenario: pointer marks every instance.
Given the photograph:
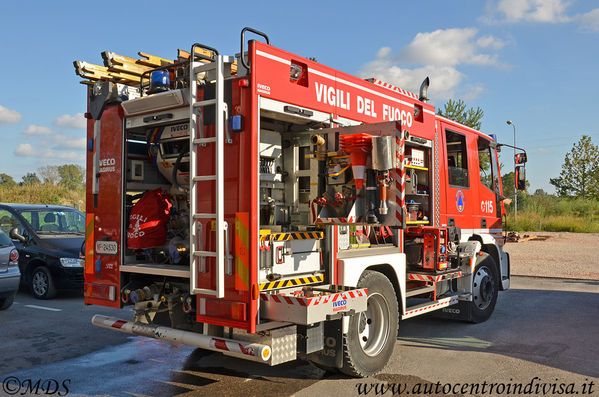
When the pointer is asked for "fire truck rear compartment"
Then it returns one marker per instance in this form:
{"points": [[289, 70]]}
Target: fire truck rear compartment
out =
{"points": [[290, 254]]}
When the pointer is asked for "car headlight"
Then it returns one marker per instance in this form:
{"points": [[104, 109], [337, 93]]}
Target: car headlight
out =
{"points": [[71, 262]]}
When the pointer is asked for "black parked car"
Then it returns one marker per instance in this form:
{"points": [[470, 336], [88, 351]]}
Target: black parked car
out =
{"points": [[49, 239]]}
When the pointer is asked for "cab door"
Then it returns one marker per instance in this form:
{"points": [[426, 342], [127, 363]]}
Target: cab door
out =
{"points": [[459, 194]]}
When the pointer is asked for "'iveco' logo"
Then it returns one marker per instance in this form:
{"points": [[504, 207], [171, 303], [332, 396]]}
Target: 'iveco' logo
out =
{"points": [[179, 127], [340, 303]]}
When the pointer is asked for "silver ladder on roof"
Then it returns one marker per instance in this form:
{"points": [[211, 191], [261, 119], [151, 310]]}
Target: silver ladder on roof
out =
{"points": [[211, 70]]}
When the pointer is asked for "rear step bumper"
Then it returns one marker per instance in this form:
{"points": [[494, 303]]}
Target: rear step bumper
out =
{"points": [[314, 304], [236, 348]]}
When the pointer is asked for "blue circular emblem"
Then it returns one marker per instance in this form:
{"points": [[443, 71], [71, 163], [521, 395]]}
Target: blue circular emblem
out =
{"points": [[460, 201]]}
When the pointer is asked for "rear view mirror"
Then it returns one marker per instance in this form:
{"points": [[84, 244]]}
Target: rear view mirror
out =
{"points": [[520, 158], [520, 178], [14, 234]]}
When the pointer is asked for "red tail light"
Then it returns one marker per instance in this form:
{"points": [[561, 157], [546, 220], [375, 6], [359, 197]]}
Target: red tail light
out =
{"points": [[14, 255]]}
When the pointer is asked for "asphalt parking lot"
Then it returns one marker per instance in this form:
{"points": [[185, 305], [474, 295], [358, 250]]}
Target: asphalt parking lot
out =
{"points": [[542, 333]]}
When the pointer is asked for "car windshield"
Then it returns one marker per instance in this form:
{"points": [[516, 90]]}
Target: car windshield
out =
{"points": [[55, 221]]}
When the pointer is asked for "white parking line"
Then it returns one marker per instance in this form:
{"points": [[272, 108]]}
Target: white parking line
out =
{"points": [[44, 308]]}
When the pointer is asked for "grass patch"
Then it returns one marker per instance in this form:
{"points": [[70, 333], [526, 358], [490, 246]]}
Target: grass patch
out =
{"points": [[533, 222], [39, 193], [554, 214]]}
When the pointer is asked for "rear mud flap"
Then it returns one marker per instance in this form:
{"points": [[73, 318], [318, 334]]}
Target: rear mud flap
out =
{"points": [[461, 311], [332, 354]]}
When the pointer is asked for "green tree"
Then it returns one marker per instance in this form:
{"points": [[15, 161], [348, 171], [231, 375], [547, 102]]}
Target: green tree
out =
{"points": [[49, 174], [458, 111], [30, 178], [6, 180], [72, 176], [580, 171], [507, 182]]}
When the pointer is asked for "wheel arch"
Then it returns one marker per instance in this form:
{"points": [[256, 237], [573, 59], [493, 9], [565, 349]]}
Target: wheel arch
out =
{"points": [[392, 266], [389, 272], [492, 250], [31, 266]]}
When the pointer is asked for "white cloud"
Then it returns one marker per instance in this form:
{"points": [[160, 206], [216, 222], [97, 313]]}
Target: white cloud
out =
{"points": [[490, 42], [472, 91], [544, 11], [590, 20], [25, 150], [444, 79], [71, 156], [547, 11], [449, 47], [76, 121], [68, 142], [437, 55], [37, 130], [8, 116]]}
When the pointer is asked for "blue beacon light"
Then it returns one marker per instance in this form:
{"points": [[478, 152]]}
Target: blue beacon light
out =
{"points": [[159, 81]]}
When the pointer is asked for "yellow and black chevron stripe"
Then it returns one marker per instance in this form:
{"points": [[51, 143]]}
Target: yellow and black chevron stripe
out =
{"points": [[292, 236], [292, 282]]}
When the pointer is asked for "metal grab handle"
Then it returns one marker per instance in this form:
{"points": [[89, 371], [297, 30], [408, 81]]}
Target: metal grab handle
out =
{"points": [[280, 255], [192, 54], [227, 128], [228, 255], [259, 33]]}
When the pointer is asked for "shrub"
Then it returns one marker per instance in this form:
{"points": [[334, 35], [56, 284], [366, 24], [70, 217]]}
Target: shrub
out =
{"points": [[39, 193], [546, 212]]}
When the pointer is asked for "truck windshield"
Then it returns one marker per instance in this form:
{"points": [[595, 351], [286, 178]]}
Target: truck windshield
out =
{"points": [[55, 221]]}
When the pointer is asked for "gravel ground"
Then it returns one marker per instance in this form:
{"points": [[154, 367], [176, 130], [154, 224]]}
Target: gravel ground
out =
{"points": [[568, 255]]}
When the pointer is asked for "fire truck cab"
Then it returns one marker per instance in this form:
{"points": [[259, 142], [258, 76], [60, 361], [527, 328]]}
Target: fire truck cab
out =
{"points": [[309, 210]]}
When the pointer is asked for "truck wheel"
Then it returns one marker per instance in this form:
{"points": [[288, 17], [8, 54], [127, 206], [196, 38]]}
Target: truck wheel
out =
{"points": [[42, 285], [5, 303], [369, 343], [484, 288]]}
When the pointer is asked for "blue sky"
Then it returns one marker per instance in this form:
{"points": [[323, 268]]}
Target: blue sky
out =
{"points": [[531, 61]]}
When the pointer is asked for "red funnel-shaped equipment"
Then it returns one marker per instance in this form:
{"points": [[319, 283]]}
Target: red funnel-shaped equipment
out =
{"points": [[358, 146]]}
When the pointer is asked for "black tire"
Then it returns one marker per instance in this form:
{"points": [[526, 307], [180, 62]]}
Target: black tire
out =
{"points": [[5, 303], [41, 283], [484, 288], [365, 354]]}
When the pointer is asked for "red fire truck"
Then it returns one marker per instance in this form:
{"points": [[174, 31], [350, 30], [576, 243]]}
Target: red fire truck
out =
{"points": [[269, 207]]}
